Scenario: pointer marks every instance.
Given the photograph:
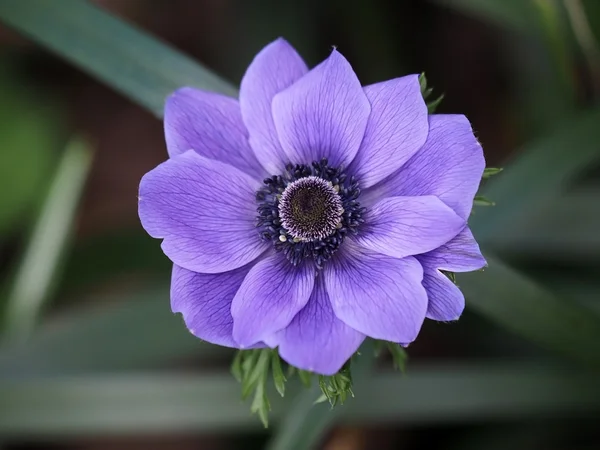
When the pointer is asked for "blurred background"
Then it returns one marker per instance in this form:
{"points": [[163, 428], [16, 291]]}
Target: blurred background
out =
{"points": [[91, 356]]}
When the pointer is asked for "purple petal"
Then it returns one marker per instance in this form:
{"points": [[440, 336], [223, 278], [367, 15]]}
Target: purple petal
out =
{"points": [[461, 254], [275, 68], [377, 295], [211, 124], [204, 300], [446, 301], [449, 166], [205, 212], [396, 130], [269, 298], [405, 226], [316, 340], [322, 115]]}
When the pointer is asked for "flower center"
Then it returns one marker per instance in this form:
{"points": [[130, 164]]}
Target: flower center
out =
{"points": [[310, 208], [307, 211]]}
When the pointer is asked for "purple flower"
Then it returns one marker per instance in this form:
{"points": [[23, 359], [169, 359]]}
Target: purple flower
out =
{"points": [[313, 212]]}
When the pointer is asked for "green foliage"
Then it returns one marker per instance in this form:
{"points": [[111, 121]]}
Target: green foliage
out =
{"points": [[30, 130], [336, 388], [491, 171], [48, 241], [480, 200], [251, 369], [426, 91]]}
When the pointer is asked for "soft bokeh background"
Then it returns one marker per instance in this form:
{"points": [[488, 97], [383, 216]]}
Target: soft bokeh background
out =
{"points": [[92, 358]]}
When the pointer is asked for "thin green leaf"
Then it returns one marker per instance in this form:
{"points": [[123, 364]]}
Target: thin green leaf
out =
{"points": [[137, 65], [520, 305], [399, 356], [480, 200], [491, 171], [422, 82], [278, 376], [260, 404], [236, 366], [305, 377], [50, 236], [433, 105], [252, 370], [30, 125]]}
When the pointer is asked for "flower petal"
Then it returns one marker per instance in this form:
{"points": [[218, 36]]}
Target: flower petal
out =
{"points": [[446, 301], [322, 115], [405, 226], [204, 300], [377, 295], [396, 130], [316, 340], [211, 124], [461, 254], [275, 68], [271, 295], [449, 166], [205, 212]]}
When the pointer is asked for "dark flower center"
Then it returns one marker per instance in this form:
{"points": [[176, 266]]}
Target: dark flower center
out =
{"points": [[308, 210]]}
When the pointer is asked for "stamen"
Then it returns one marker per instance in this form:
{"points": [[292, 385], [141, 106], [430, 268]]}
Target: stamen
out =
{"points": [[308, 210]]}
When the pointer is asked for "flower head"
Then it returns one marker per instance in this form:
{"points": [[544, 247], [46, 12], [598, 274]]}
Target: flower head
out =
{"points": [[313, 212]]}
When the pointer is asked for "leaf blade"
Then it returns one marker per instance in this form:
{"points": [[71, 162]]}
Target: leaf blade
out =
{"points": [[134, 63]]}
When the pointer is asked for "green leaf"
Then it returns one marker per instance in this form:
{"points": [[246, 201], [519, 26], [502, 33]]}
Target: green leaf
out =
{"points": [[399, 356], [305, 377], [251, 372], [491, 171], [278, 376], [30, 126], [423, 84], [520, 305], [236, 366], [480, 200], [260, 404], [432, 106], [336, 388], [37, 270], [135, 64], [111, 336]]}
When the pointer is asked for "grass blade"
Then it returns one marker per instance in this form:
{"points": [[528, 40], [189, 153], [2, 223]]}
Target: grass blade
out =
{"points": [[132, 62], [520, 305], [48, 241]]}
